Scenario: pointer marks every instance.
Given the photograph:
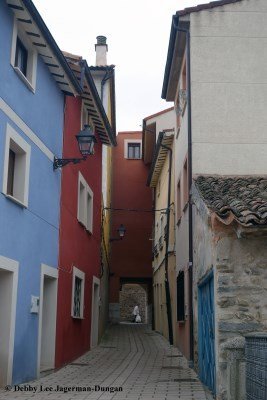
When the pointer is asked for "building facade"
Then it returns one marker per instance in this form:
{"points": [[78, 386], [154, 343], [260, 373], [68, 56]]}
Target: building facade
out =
{"points": [[219, 134], [31, 123], [158, 154], [131, 206], [80, 222]]}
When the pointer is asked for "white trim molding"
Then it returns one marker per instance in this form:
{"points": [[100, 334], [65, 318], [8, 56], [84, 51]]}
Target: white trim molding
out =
{"points": [[126, 143], [85, 207], [22, 167], [10, 265], [30, 78], [25, 129]]}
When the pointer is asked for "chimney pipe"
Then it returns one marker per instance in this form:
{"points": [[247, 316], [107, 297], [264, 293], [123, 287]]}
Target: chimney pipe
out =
{"points": [[101, 49]]}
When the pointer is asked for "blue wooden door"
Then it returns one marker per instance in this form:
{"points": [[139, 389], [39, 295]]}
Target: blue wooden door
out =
{"points": [[206, 332]]}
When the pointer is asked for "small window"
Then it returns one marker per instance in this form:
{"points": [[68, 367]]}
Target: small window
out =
{"points": [[16, 167], [180, 297], [134, 150], [85, 204], [11, 172], [77, 293], [21, 57]]}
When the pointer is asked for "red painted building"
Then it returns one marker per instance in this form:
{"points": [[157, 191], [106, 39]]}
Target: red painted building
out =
{"points": [[80, 223], [131, 256]]}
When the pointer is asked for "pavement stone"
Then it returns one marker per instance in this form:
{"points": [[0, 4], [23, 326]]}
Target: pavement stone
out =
{"points": [[131, 357]]}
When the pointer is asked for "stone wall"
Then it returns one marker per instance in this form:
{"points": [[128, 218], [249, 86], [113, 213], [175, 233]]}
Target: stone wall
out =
{"points": [[130, 296], [239, 263]]}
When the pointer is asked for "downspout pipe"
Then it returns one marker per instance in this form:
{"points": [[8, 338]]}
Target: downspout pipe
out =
{"points": [[175, 22], [167, 240], [106, 77]]}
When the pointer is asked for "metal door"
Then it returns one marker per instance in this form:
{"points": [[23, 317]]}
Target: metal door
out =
{"points": [[206, 332]]}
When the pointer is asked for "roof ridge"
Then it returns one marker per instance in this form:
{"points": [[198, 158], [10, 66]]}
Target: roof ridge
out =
{"points": [[205, 6]]}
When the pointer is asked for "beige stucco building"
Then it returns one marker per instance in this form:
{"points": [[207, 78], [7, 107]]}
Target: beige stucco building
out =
{"points": [[104, 79], [216, 76], [158, 151]]}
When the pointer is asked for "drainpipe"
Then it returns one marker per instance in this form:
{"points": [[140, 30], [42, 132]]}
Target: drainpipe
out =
{"points": [[175, 22], [167, 286], [107, 76]]}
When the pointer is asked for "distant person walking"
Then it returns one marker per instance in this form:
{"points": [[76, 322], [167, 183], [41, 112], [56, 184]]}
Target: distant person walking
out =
{"points": [[136, 314]]}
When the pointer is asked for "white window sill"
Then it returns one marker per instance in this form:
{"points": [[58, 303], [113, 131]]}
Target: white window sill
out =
{"points": [[77, 317], [15, 200], [24, 79]]}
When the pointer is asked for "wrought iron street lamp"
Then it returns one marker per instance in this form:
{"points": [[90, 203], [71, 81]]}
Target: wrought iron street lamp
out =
{"points": [[121, 231], [86, 140]]}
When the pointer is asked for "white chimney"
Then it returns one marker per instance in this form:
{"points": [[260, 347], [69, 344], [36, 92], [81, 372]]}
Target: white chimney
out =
{"points": [[101, 49]]}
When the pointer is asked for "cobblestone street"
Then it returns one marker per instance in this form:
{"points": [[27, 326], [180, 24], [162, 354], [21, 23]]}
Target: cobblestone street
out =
{"points": [[130, 356]]}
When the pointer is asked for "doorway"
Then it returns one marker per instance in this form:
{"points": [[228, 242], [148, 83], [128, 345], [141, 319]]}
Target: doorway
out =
{"points": [[95, 311], [8, 301], [47, 318]]}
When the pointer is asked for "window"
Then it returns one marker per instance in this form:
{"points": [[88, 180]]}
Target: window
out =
{"points": [[85, 204], [16, 167], [179, 207], [11, 172], [23, 57], [77, 304], [134, 150], [180, 297], [185, 184]]}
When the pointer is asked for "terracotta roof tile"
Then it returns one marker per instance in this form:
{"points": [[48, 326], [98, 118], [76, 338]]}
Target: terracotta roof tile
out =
{"points": [[243, 199]]}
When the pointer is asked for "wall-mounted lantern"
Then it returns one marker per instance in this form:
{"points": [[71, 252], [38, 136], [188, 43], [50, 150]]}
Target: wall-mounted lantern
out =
{"points": [[121, 231], [86, 140]]}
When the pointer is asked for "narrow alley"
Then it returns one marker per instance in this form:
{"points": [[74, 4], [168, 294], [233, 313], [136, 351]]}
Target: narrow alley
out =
{"points": [[131, 362]]}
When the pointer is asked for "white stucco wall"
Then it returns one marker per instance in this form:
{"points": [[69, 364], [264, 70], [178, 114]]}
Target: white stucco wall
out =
{"points": [[229, 89], [163, 121]]}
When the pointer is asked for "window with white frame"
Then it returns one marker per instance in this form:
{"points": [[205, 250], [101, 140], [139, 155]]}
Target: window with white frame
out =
{"points": [[77, 304], [133, 149], [16, 167], [23, 57], [85, 204]]}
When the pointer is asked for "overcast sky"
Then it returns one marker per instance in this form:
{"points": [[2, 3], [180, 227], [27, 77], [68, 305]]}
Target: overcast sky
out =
{"points": [[137, 34]]}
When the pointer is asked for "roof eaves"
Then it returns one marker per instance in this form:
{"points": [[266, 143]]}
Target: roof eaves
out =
{"points": [[159, 157], [52, 43], [169, 58], [110, 131]]}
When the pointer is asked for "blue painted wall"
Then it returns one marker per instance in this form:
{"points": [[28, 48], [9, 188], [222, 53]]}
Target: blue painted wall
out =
{"points": [[30, 235]]}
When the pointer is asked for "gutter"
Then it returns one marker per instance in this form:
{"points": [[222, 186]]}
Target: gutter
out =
{"points": [[52, 43], [175, 27]]}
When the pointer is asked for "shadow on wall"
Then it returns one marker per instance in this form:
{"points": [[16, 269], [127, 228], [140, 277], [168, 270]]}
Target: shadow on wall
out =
{"points": [[130, 296]]}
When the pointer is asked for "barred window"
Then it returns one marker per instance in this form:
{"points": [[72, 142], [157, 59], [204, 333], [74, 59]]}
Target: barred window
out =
{"points": [[77, 293]]}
